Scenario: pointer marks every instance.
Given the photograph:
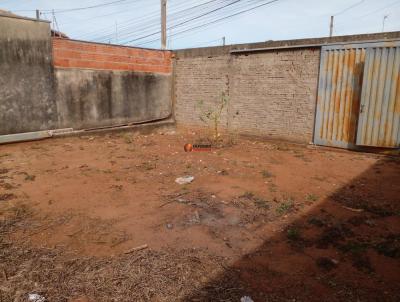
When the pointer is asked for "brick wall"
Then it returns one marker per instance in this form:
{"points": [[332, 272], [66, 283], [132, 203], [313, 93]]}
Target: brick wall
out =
{"points": [[271, 94], [199, 80], [77, 54], [274, 94], [101, 85]]}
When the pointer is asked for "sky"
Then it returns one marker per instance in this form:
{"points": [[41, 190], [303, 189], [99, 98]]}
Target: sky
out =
{"points": [[137, 22]]}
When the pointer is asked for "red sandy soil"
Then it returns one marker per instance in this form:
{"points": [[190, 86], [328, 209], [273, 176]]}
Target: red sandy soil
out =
{"points": [[273, 221]]}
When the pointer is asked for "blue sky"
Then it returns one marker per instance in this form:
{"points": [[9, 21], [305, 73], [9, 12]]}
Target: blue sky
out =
{"points": [[129, 20]]}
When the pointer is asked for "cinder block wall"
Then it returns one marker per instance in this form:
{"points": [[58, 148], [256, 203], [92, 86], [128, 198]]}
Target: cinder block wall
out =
{"points": [[274, 94], [271, 94], [199, 79]]}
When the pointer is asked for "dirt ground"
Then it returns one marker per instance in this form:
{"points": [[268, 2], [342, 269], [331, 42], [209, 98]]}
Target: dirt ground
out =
{"points": [[100, 218]]}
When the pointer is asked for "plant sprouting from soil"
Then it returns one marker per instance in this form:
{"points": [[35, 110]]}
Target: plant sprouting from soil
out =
{"points": [[311, 197], [285, 207], [212, 115]]}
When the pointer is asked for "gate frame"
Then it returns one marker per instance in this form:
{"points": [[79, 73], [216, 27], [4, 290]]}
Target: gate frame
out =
{"points": [[321, 84]]}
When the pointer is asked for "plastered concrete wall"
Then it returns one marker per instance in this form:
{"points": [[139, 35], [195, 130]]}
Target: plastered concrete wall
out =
{"points": [[101, 85], [98, 98], [26, 77], [271, 94], [90, 85]]}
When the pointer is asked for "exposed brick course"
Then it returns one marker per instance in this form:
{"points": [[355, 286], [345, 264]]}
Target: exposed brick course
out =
{"points": [[77, 54]]}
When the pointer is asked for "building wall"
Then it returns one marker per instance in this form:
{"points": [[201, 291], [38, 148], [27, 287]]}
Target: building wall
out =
{"points": [[101, 85], [272, 88], [85, 55], [274, 94], [100, 98], [199, 80], [270, 94], [50, 83], [27, 100]]}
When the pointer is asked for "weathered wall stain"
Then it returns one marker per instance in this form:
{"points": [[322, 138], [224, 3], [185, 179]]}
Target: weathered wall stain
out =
{"points": [[26, 79], [36, 96], [100, 85], [96, 98]]}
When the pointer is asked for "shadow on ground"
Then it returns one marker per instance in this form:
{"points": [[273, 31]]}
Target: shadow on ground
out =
{"points": [[346, 249]]}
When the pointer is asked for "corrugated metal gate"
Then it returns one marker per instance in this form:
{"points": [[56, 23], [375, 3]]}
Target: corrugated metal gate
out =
{"points": [[380, 100], [359, 95]]}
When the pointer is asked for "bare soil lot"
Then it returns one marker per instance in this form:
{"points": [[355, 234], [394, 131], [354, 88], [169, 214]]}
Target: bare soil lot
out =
{"points": [[272, 221]]}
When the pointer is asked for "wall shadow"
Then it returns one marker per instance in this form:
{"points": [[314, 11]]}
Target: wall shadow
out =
{"points": [[346, 249]]}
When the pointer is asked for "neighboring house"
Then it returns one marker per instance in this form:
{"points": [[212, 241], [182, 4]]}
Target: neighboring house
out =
{"points": [[58, 34], [54, 33]]}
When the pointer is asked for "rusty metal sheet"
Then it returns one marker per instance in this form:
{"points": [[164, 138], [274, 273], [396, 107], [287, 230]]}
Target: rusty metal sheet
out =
{"points": [[379, 119], [339, 92]]}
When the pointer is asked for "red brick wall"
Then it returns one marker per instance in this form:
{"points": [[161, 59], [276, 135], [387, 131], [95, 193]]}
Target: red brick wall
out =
{"points": [[76, 54]]}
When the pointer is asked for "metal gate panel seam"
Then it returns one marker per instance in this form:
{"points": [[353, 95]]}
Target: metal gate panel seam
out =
{"points": [[379, 114], [358, 101]]}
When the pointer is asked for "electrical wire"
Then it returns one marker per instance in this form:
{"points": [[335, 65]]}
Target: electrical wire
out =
{"points": [[74, 9], [395, 3], [184, 22], [150, 20], [215, 21], [349, 8], [239, 6], [153, 24]]}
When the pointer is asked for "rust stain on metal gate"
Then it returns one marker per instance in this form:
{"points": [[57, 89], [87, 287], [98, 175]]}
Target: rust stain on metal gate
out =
{"points": [[339, 95], [379, 123], [359, 96]]}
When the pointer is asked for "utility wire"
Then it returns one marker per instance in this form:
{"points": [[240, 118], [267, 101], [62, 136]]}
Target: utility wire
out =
{"points": [[395, 3], [215, 21], [198, 21], [74, 9], [184, 22], [349, 8], [153, 24], [151, 19]]}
